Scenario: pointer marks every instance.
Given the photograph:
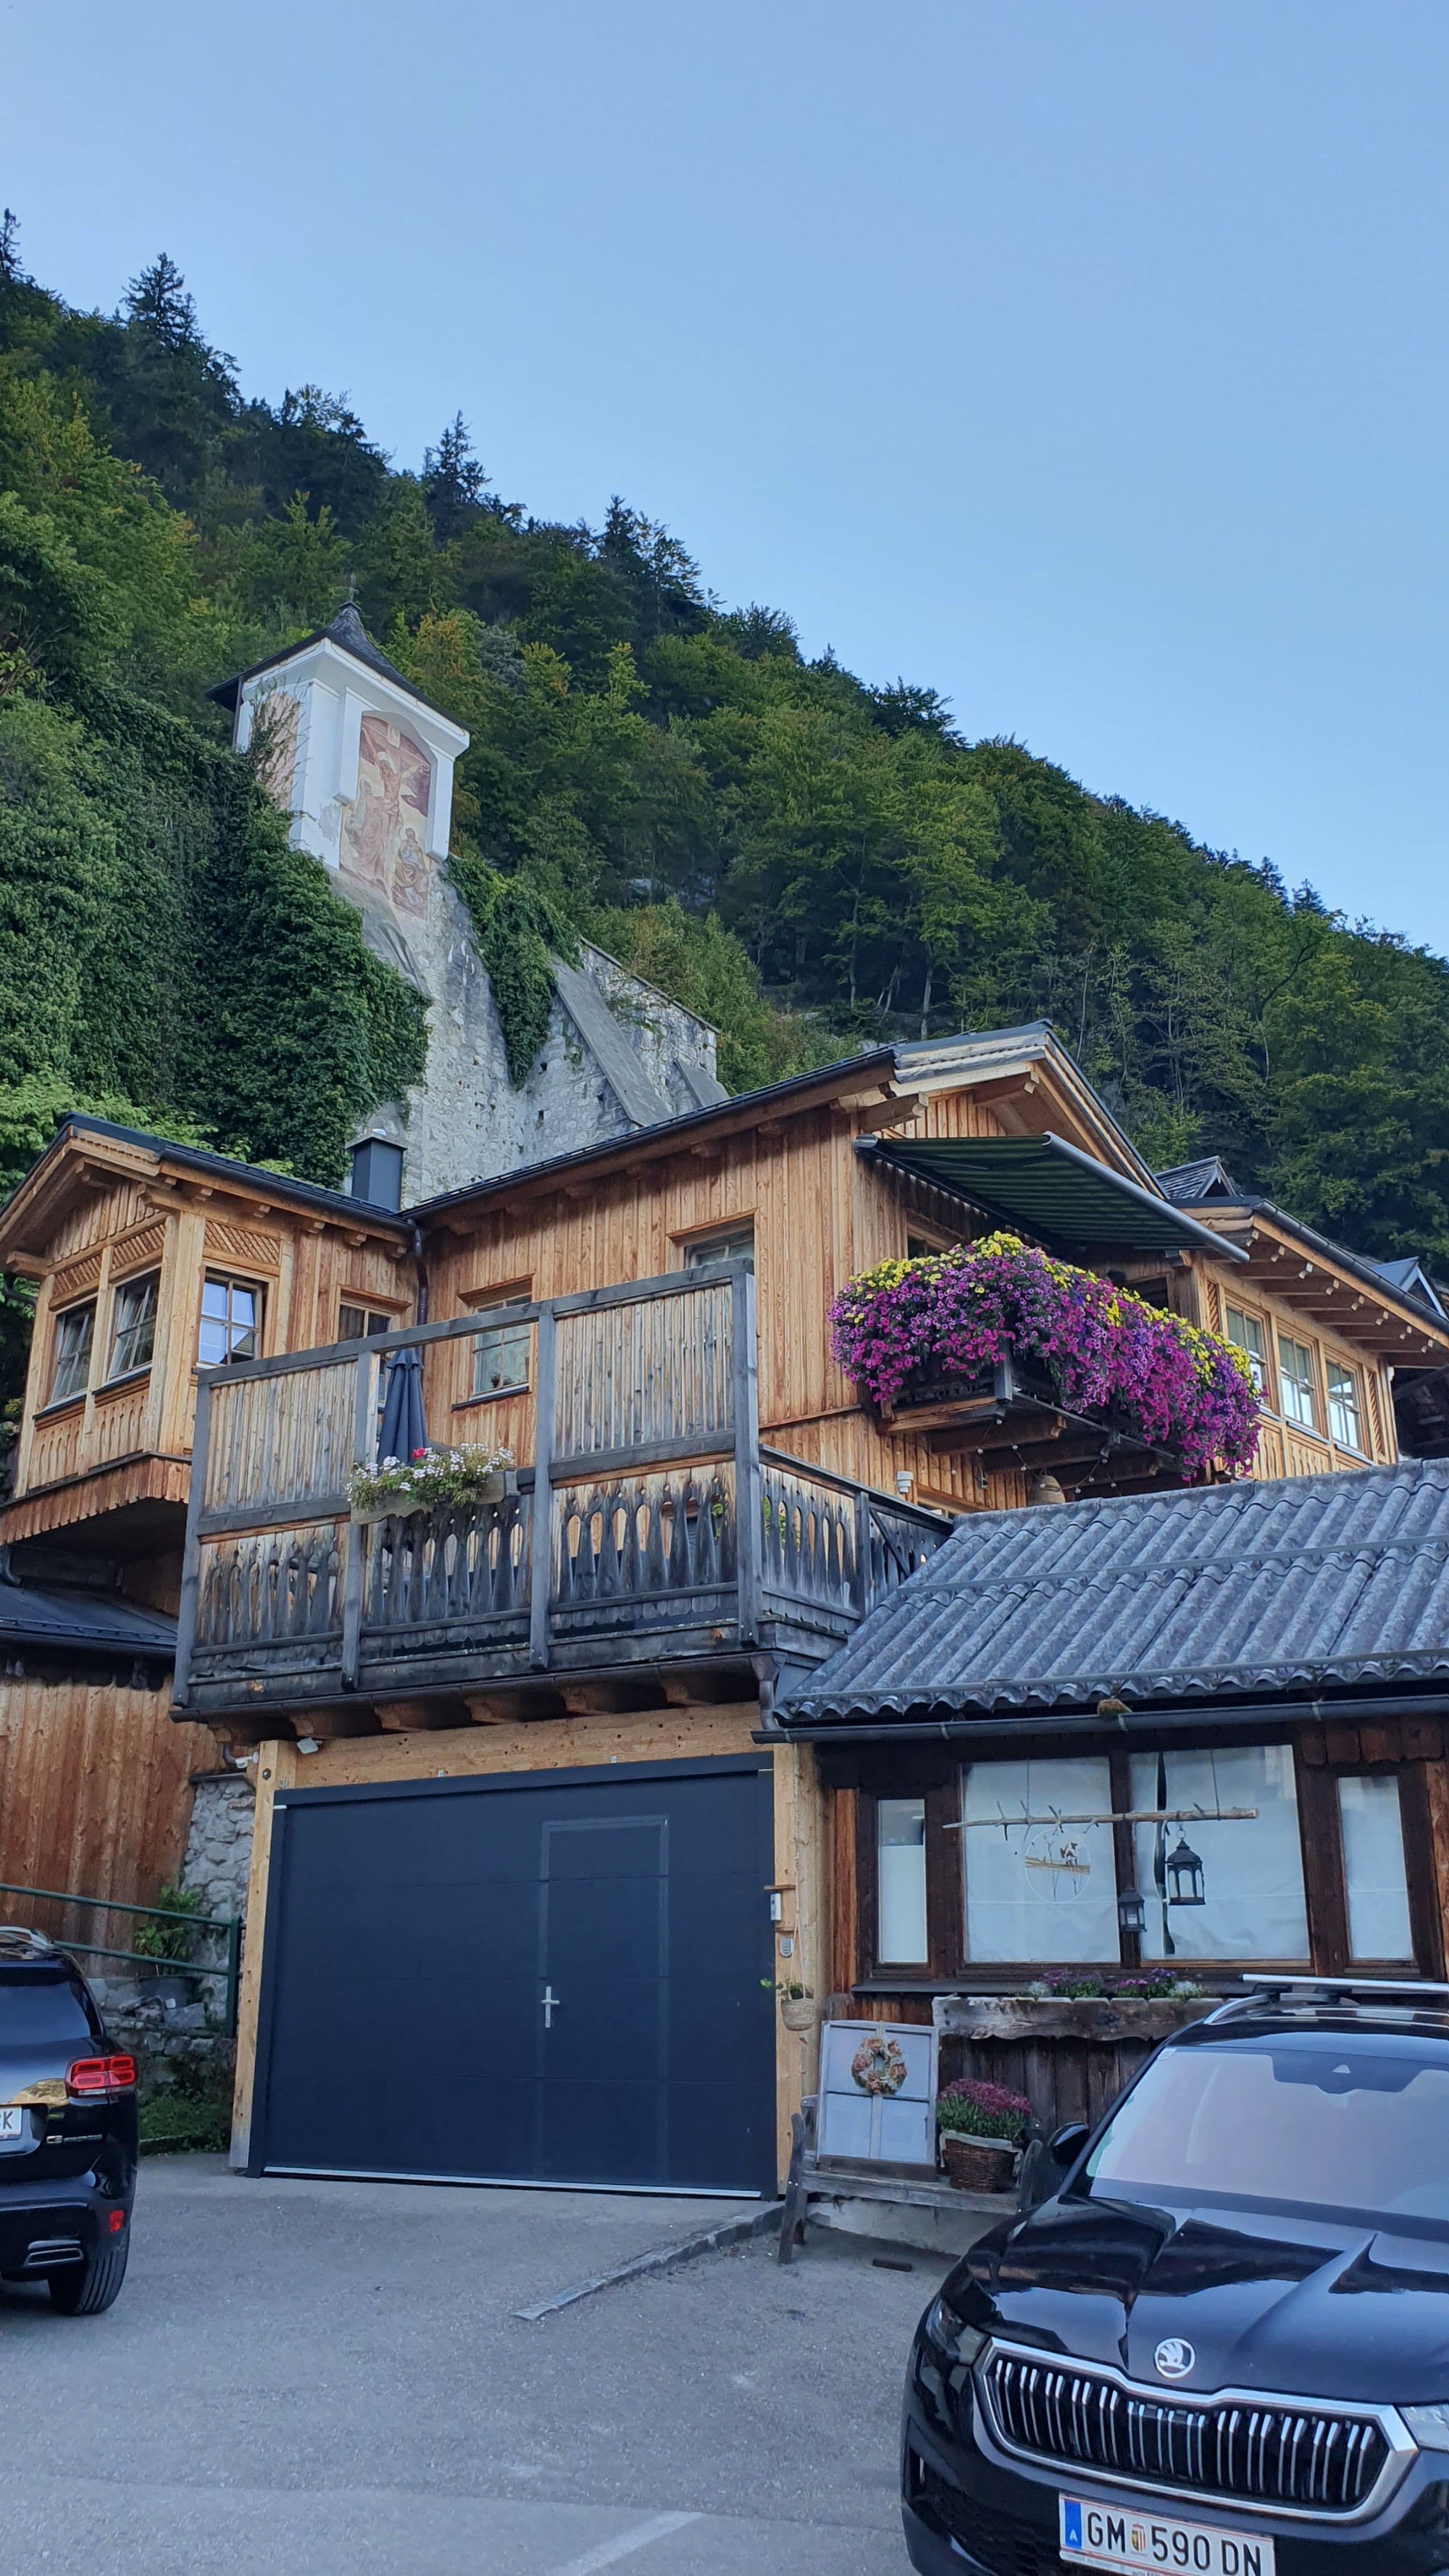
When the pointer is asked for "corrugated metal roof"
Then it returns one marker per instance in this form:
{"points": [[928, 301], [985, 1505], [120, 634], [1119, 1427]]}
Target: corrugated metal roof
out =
{"points": [[100, 1621], [1236, 1591]]}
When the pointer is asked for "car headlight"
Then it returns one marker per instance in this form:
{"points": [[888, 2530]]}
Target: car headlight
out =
{"points": [[1429, 2426], [945, 2328]]}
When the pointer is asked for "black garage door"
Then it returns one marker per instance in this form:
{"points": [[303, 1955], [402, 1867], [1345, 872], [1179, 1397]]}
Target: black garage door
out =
{"points": [[547, 1977]]}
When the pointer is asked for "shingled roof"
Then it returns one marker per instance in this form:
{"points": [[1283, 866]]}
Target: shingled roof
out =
{"points": [[1220, 1595]]}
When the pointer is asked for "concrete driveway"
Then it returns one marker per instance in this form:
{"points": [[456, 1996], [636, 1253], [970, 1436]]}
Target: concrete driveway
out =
{"points": [[329, 2377]]}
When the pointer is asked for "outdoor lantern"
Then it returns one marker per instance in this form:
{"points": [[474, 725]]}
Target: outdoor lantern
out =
{"points": [[1184, 1875], [1131, 1913]]}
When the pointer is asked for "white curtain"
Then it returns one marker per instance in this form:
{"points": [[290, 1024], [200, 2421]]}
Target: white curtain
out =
{"points": [[901, 1881], [1373, 1866], [1038, 1891], [1252, 1871]]}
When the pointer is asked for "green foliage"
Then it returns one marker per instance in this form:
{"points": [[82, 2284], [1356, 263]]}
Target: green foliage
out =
{"points": [[517, 931], [696, 961], [170, 1940], [810, 862]]}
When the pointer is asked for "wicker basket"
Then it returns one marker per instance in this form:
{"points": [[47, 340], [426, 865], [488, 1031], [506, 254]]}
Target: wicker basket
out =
{"points": [[797, 2012], [977, 2164]]}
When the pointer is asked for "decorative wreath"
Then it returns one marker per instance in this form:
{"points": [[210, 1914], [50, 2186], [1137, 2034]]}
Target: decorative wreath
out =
{"points": [[879, 2065]]}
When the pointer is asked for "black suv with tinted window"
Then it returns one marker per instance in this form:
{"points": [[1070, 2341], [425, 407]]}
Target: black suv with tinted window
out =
{"points": [[1221, 2344], [67, 2131]]}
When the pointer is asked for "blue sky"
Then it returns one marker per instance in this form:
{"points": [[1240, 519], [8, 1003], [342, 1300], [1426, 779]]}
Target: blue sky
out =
{"points": [[1083, 358]]}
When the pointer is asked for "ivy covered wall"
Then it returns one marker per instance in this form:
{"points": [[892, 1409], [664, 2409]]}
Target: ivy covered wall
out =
{"points": [[161, 946]]}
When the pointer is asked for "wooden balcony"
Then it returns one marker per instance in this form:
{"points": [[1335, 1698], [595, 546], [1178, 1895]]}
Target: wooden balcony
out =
{"points": [[1010, 1417], [647, 1528]]}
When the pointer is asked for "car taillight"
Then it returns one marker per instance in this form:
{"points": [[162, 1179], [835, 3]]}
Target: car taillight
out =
{"points": [[91, 2075]]}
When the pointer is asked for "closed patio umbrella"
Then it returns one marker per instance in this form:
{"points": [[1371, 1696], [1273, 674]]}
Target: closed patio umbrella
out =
{"points": [[401, 1426]]}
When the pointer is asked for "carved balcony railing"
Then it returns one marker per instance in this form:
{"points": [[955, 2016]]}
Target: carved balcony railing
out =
{"points": [[649, 1526]]}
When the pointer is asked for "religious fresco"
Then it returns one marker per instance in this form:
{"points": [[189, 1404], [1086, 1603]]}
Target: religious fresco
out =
{"points": [[384, 832]]}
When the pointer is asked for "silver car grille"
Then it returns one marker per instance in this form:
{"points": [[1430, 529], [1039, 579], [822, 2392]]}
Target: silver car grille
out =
{"points": [[1267, 2451]]}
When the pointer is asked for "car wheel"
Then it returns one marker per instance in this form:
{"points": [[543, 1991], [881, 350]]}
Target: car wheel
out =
{"points": [[84, 2289]]}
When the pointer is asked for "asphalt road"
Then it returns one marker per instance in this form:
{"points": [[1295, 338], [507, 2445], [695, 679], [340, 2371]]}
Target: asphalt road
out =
{"points": [[328, 2378]]}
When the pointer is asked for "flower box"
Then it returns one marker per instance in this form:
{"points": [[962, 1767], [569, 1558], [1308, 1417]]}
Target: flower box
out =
{"points": [[999, 1319], [1105, 2018], [431, 1480]]}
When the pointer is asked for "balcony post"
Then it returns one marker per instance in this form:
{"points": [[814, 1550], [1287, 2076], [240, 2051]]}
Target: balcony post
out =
{"points": [[354, 1538], [862, 1587], [541, 1568], [749, 1506], [191, 1556]]}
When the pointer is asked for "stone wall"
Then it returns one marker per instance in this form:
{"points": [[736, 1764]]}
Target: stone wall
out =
{"points": [[173, 2023]]}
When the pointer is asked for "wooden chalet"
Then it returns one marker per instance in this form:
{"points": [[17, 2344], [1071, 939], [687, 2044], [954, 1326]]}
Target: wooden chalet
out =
{"points": [[523, 1789], [1166, 1737]]}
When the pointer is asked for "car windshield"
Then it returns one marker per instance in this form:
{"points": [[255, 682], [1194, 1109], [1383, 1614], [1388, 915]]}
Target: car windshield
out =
{"points": [[35, 2008], [1317, 2120]]}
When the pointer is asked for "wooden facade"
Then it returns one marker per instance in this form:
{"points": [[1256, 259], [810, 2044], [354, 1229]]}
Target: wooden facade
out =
{"points": [[712, 1505]]}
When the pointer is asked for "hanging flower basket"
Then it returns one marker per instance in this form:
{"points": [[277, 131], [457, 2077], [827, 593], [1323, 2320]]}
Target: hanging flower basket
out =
{"points": [[912, 1329], [430, 1480]]}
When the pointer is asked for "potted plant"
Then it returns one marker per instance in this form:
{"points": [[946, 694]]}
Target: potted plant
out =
{"points": [[429, 1479], [981, 2127], [797, 2005]]}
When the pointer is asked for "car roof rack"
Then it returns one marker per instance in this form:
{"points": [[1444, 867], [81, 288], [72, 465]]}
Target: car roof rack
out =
{"points": [[1265, 1983]]}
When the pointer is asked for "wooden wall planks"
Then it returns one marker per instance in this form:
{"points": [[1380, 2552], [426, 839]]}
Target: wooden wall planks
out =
{"points": [[94, 1789]]}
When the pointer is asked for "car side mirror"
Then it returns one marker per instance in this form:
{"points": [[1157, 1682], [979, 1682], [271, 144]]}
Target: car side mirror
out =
{"points": [[1065, 2145]]}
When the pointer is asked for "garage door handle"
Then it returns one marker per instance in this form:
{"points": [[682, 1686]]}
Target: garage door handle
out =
{"points": [[550, 2007]]}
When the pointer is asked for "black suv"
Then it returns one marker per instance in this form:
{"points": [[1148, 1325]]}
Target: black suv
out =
{"points": [[1222, 2343], [67, 2131]]}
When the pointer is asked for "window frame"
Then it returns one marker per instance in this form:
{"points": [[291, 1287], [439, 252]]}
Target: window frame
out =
{"points": [[1332, 1368], [498, 1306], [1263, 1357], [1320, 1843], [231, 1280], [61, 1316], [121, 1290], [377, 1320], [1293, 1420], [729, 1234]]}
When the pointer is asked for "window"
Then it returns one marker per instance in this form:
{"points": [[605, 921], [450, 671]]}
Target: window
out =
{"points": [[231, 1321], [1345, 1420], [901, 1881], [736, 1243], [501, 1351], [1295, 1377], [70, 1366], [1040, 1881], [1247, 1901], [133, 1325], [1247, 1335], [359, 1323], [1373, 1868]]}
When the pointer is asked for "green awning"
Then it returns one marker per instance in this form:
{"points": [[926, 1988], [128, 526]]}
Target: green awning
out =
{"points": [[1054, 1191]]}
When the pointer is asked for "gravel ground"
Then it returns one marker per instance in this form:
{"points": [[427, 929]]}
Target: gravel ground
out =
{"points": [[329, 2375]]}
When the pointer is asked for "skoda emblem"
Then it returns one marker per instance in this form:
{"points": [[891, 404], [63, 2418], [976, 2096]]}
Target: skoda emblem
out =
{"points": [[1174, 2358]]}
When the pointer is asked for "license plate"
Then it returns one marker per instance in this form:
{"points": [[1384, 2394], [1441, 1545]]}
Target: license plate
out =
{"points": [[14, 2126], [1109, 2535]]}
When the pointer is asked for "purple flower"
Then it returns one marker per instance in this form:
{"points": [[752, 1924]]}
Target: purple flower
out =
{"points": [[955, 1314]]}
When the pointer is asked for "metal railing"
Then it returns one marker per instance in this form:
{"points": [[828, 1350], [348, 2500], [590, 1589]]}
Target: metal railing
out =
{"points": [[228, 1926]]}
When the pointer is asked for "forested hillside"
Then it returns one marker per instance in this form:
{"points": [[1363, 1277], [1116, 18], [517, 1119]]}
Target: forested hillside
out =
{"points": [[811, 859]]}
